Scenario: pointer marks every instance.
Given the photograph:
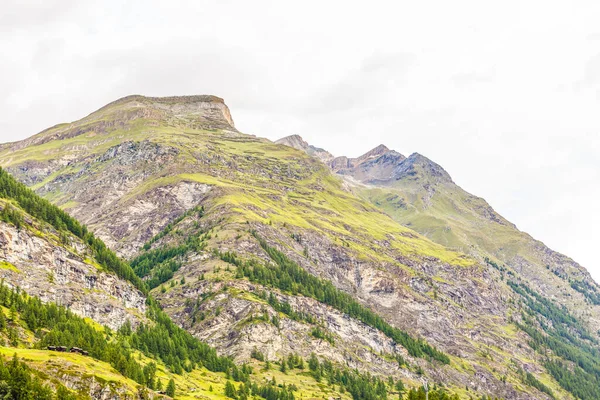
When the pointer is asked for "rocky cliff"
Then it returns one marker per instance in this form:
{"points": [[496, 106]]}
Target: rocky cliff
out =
{"points": [[61, 269]]}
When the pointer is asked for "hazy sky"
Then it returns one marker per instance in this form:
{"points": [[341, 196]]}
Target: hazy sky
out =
{"points": [[504, 95]]}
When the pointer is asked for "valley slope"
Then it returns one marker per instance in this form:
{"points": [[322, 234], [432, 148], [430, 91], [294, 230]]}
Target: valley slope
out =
{"points": [[204, 212]]}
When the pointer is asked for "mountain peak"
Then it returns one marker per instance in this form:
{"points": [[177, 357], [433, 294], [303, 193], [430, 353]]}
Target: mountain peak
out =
{"points": [[197, 107], [375, 152], [379, 166], [297, 142], [379, 150], [197, 112], [417, 165]]}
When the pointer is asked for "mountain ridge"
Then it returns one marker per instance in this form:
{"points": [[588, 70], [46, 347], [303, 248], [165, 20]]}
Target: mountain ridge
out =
{"points": [[214, 218], [297, 142], [407, 169]]}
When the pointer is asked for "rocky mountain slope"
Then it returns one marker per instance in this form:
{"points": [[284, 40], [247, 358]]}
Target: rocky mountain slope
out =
{"points": [[420, 194], [297, 142], [255, 246], [61, 269], [56, 354]]}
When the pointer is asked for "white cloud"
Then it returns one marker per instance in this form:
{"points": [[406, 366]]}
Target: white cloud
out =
{"points": [[503, 95]]}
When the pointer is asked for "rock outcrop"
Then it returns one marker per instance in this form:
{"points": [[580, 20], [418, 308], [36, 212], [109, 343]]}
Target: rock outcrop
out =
{"points": [[34, 259], [297, 142]]}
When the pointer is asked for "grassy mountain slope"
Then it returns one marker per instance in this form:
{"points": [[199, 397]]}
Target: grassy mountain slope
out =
{"points": [[421, 195], [442, 211], [126, 363], [205, 212]]}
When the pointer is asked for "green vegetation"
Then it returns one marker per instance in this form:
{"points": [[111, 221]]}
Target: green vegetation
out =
{"points": [[360, 386], [319, 333], [199, 211], [45, 211], [171, 388], [434, 394], [11, 216], [176, 347], [562, 334], [57, 326], [46, 364], [290, 277], [589, 291], [17, 381], [7, 265], [286, 308], [162, 263], [529, 379], [270, 391]]}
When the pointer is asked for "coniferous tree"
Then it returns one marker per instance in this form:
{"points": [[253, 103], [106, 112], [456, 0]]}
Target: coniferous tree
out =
{"points": [[283, 366], [170, 391], [230, 390]]}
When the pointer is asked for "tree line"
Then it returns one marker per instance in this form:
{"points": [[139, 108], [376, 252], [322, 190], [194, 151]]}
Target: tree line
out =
{"points": [[159, 265], [45, 211], [553, 330], [289, 277], [18, 381]]}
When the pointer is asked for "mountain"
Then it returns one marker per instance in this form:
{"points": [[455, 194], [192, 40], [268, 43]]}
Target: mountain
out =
{"points": [[297, 142], [279, 250], [420, 194], [90, 330], [59, 267]]}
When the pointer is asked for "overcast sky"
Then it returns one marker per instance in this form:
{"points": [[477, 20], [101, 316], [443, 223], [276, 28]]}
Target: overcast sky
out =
{"points": [[504, 95]]}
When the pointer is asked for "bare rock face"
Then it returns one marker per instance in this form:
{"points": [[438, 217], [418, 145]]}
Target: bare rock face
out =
{"points": [[297, 142], [79, 381], [206, 108], [116, 192], [54, 272], [356, 344], [383, 167], [418, 165]]}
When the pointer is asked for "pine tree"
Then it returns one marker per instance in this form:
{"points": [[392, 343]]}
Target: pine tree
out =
{"points": [[2, 321], [230, 390], [313, 362], [13, 313], [400, 388], [283, 367], [171, 388]]}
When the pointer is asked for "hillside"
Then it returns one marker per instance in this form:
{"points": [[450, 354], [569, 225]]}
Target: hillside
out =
{"points": [[143, 355], [261, 248], [420, 194]]}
